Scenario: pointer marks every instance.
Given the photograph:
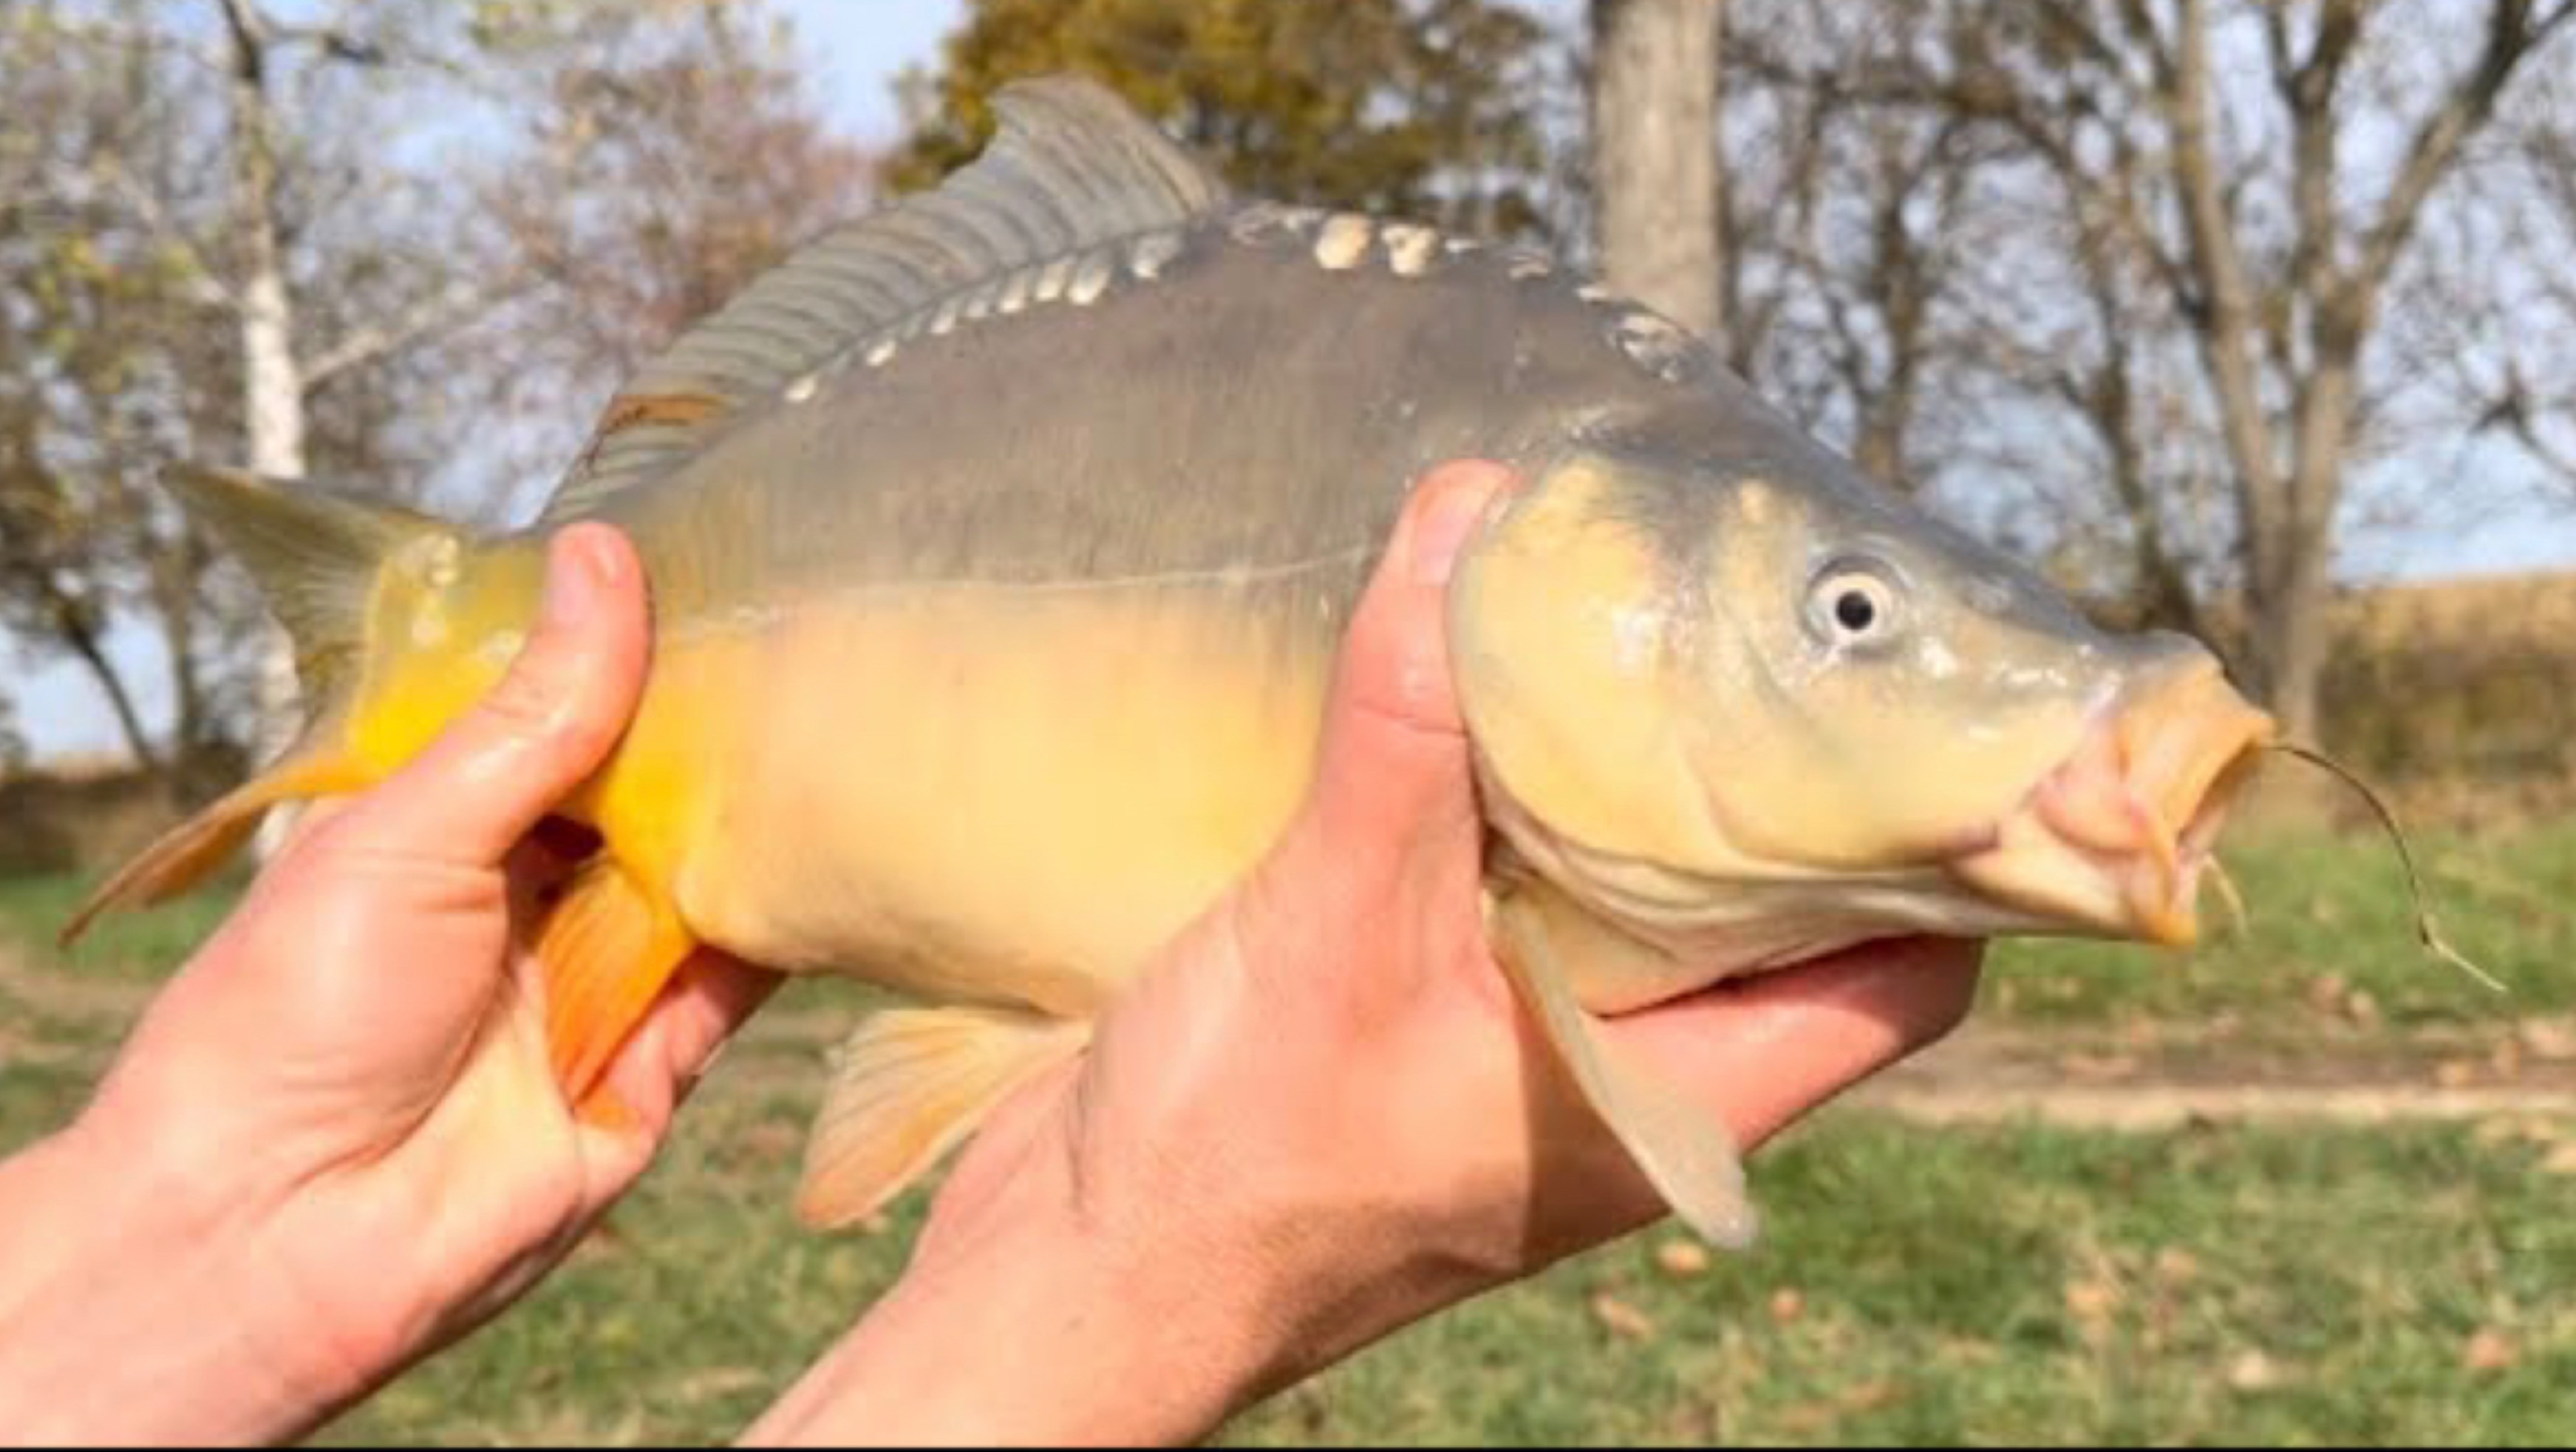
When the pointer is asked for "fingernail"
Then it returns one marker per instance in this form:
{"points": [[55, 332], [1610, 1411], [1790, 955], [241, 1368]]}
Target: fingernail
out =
{"points": [[1441, 528], [577, 572]]}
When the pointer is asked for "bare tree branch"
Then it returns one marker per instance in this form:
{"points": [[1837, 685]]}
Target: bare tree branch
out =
{"points": [[104, 33], [249, 36], [2514, 412], [2068, 22], [445, 312], [2219, 266], [2143, 33], [2308, 89], [2511, 37], [147, 208]]}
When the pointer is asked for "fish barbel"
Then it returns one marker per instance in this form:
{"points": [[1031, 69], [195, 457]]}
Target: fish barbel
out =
{"points": [[1001, 545]]}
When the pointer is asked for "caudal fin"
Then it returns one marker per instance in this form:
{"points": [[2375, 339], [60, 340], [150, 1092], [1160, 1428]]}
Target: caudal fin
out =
{"points": [[186, 854], [315, 557]]}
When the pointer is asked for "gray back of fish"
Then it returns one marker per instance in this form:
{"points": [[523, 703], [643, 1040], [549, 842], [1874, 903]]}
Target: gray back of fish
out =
{"points": [[1115, 371]]}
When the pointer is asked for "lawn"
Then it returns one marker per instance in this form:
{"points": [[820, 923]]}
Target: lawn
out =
{"points": [[2003, 1283], [2334, 913]]}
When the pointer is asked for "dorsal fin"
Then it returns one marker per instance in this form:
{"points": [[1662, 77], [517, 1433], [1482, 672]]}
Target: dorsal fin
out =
{"points": [[1071, 166]]}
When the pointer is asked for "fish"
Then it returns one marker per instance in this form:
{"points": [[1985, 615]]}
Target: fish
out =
{"points": [[1001, 544]]}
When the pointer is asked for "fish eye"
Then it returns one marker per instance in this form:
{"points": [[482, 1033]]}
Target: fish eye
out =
{"points": [[1855, 604]]}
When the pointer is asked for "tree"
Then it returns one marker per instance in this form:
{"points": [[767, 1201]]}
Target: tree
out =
{"points": [[1655, 152], [2511, 337], [1419, 108], [103, 365], [2238, 193], [284, 358], [1853, 233], [13, 742], [219, 260], [675, 158], [326, 245]]}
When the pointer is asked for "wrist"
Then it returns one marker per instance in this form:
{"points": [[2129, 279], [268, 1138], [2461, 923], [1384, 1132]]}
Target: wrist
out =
{"points": [[1083, 1335], [132, 1308], [1030, 1339]]}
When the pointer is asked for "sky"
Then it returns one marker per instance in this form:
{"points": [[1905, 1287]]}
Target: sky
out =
{"points": [[859, 48]]}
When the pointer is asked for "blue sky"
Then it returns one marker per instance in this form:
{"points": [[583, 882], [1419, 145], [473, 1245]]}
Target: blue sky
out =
{"points": [[860, 46]]}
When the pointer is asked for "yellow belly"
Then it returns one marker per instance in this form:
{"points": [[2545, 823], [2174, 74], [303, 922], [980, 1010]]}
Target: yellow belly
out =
{"points": [[968, 793]]}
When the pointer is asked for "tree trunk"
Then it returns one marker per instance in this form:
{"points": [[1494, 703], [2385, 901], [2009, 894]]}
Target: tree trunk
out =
{"points": [[83, 642], [2293, 639], [272, 377], [1880, 450], [1655, 155], [176, 578]]}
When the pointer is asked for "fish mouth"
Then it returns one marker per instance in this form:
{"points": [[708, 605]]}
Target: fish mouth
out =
{"points": [[2114, 842]]}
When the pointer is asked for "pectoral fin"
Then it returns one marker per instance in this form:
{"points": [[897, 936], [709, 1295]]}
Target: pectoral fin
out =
{"points": [[910, 1086], [1688, 1154]]}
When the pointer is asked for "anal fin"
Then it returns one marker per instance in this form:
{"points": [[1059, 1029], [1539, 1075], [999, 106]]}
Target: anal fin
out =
{"points": [[1688, 1154], [910, 1086], [606, 951]]}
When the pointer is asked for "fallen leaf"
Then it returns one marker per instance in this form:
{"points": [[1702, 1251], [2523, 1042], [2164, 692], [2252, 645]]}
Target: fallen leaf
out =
{"points": [[1620, 1318], [2327, 993], [2176, 1266], [2550, 1040], [772, 1141], [1787, 1305], [719, 1381], [1683, 1258], [2092, 1300], [1809, 1418], [2253, 1372], [2490, 1350]]}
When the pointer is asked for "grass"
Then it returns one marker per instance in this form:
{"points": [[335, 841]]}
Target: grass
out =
{"points": [[120, 947], [1995, 1286], [2004, 1284], [2024, 1287], [2334, 908]]}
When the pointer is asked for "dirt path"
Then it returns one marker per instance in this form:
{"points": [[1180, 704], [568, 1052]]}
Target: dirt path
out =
{"points": [[2153, 1079]]}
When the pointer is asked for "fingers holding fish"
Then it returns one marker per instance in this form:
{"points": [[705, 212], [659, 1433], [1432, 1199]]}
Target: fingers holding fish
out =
{"points": [[507, 763], [1816, 1031], [1392, 707], [709, 998]]}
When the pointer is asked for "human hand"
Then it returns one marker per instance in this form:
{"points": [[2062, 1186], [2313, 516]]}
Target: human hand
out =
{"points": [[334, 1142], [1323, 1114]]}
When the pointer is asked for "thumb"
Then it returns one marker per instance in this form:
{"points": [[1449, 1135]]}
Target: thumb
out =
{"points": [[1394, 745], [495, 773]]}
